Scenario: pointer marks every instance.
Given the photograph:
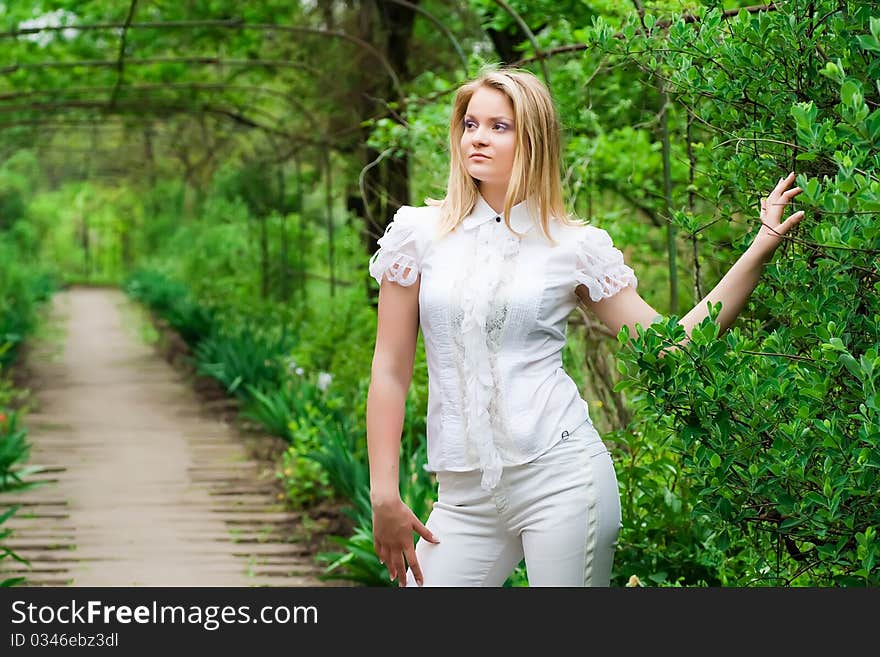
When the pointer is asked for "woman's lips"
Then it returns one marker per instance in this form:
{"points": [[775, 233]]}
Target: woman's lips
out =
{"points": [[479, 156]]}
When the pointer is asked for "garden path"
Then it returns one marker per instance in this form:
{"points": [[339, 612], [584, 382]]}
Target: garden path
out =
{"points": [[146, 484]]}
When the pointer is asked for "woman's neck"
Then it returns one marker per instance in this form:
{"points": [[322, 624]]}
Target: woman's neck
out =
{"points": [[494, 196]]}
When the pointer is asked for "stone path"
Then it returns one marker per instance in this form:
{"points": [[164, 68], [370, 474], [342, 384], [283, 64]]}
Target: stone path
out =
{"points": [[144, 485]]}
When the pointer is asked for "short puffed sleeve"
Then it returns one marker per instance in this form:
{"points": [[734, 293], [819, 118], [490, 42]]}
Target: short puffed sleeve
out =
{"points": [[400, 249], [599, 264]]}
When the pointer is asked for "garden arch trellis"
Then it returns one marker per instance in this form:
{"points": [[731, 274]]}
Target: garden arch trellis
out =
{"points": [[252, 116]]}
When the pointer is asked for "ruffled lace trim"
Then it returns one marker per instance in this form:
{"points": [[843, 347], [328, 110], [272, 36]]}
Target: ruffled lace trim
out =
{"points": [[396, 254], [479, 383], [600, 265]]}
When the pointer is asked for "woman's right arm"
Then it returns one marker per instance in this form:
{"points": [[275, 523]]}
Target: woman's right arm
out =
{"points": [[390, 378]]}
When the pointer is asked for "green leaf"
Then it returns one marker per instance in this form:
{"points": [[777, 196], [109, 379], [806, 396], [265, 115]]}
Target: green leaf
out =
{"points": [[852, 365], [788, 523], [868, 42], [811, 188], [850, 93]]}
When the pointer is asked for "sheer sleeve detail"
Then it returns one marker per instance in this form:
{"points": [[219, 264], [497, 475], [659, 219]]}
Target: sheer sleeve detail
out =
{"points": [[398, 254], [600, 266]]}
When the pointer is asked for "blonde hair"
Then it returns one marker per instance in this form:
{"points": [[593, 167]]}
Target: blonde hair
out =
{"points": [[536, 175]]}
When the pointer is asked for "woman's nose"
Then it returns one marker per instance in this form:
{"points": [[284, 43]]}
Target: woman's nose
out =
{"points": [[480, 137]]}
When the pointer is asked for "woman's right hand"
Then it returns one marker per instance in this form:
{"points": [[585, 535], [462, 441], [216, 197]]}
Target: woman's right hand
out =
{"points": [[393, 527]]}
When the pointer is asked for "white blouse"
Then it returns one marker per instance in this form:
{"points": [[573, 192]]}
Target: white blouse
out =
{"points": [[493, 310]]}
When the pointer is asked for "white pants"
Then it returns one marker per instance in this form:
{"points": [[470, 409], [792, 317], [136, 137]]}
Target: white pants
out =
{"points": [[560, 511]]}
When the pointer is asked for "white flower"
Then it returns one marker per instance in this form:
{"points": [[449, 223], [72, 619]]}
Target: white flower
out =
{"points": [[299, 371], [324, 380]]}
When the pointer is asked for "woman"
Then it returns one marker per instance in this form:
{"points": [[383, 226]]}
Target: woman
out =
{"points": [[490, 274]]}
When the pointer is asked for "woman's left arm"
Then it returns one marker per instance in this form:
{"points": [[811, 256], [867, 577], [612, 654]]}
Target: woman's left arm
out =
{"points": [[627, 307]]}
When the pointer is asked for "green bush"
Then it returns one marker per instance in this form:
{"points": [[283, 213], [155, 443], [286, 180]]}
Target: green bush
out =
{"points": [[172, 301], [24, 290]]}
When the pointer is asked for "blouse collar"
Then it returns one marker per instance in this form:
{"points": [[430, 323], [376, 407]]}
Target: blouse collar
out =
{"points": [[521, 219]]}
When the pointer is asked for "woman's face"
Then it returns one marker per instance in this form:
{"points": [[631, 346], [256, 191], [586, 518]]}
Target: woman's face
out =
{"points": [[489, 131]]}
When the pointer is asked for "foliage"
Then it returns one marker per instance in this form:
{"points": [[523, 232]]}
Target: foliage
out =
{"points": [[342, 458], [24, 290], [776, 423], [243, 356], [172, 301]]}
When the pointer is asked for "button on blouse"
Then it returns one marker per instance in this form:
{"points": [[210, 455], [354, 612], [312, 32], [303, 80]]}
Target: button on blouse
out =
{"points": [[493, 311]]}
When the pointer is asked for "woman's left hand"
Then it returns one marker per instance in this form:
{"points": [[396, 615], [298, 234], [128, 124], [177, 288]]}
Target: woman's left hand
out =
{"points": [[772, 228]]}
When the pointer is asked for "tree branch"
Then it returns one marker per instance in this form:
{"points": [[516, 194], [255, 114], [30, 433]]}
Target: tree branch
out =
{"points": [[663, 24], [120, 67], [234, 24]]}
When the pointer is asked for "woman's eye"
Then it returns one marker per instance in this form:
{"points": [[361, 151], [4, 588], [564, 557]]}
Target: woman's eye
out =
{"points": [[471, 124]]}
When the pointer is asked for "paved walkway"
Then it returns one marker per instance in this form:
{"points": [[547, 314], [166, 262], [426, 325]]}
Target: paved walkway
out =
{"points": [[145, 486]]}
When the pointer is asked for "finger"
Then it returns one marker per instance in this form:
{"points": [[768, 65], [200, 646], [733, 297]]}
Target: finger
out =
{"points": [[794, 219], [425, 533], [789, 223], [389, 566], [794, 191], [784, 182], [401, 574], [414, 566], [397, 567]]}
